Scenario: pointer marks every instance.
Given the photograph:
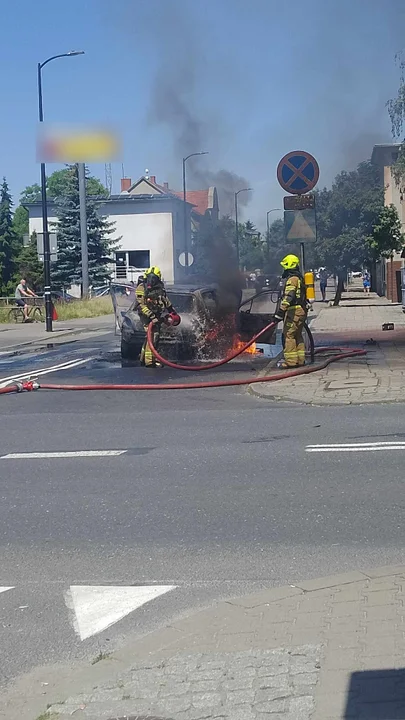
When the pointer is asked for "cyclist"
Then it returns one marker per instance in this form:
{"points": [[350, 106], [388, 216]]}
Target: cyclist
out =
{"points": [[22, 291]]}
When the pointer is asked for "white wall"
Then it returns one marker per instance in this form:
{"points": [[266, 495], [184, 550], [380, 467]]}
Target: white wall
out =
{"points": [[35, 221], [136, 228], [146, 231]]}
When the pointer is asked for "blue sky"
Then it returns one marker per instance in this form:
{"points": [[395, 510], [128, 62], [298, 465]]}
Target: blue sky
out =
{"points": [[246, 81]]}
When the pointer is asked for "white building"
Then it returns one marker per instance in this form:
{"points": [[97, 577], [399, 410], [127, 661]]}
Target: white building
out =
{"points": [[149, 226]]}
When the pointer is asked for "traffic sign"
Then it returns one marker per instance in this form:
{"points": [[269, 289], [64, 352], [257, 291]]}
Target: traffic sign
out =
{"points": [[53, 246], [182, 259], [299, 202], [298, 172], [300, 226]]}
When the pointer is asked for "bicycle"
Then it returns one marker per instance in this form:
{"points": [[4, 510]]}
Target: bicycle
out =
{"points": [[16, 314]]}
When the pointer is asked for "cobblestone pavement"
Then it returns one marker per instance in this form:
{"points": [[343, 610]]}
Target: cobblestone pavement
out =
{"points": [[377, 377], [329, 649]]}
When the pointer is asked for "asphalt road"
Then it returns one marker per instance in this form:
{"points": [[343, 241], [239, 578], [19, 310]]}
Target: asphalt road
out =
{"points": [[216, 494]]}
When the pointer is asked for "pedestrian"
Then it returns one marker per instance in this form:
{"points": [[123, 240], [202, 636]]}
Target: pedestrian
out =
{"points": [[323, 282], [154, 307], [366, 282], [22, 291], [292, 310]]}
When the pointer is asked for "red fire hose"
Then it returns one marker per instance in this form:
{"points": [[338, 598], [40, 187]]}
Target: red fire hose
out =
{"points": [[340, 354], [206, 366]]}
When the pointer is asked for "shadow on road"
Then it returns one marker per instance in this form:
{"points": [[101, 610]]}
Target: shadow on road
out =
{"points": [[376, 695]]}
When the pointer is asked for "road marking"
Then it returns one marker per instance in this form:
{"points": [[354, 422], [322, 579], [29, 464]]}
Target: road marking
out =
{"points": [[357, 447], [73, 454], [44, 371], [97, 607], [4, 589]]}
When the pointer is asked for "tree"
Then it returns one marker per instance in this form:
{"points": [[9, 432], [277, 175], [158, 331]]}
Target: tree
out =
{"points": [[68, 268], [387, 236], [57, 185], [32, 193], [346, 217], [396, 111], [8, 239], [250, 246], [21, 222], [29, 266]]}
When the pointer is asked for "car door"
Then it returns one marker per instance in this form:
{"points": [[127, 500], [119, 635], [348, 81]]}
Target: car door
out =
{"points": [[255, 314], [122, 296]]}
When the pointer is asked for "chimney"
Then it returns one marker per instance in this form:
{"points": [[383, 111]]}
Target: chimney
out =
{"points": [[166, 186], [125, 184], [153, 179]]}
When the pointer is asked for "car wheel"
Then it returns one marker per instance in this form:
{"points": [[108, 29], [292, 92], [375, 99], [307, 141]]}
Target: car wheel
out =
{"points": [[130, 351]]}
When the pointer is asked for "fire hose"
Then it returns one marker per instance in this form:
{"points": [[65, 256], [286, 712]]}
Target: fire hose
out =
{"points": [[339, 354]]}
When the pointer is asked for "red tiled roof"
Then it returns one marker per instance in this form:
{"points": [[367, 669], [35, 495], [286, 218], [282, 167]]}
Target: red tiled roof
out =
{"points": [[198, 198]]}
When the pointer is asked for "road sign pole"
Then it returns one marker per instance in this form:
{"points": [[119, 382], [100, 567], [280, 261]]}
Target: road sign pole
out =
{"points": [[83, 229], [302, 252]]}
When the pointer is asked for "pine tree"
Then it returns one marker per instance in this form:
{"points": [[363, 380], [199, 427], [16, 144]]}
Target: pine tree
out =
{"points": [[29, 267], [9, 245], [68, 268]]}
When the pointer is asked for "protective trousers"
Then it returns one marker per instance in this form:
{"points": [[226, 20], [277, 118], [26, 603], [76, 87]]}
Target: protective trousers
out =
{"points": [[147, 357], [294, 347]]}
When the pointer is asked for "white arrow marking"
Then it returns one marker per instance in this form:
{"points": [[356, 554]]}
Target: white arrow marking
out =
{"points": [[4, 589], [97, 607]]}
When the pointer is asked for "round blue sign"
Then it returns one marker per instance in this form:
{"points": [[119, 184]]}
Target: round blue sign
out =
{"points": [[298, 172]]}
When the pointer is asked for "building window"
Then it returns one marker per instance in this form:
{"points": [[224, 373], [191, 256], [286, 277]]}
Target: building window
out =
{"points": [[121, 264], [139, 259]]}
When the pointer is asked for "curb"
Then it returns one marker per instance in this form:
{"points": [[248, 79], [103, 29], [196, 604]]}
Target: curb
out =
{"points": [[158, 645]]}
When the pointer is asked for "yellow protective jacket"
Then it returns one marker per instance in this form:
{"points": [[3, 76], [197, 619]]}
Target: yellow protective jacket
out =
{"points": [[152, 303], [294, 294]]}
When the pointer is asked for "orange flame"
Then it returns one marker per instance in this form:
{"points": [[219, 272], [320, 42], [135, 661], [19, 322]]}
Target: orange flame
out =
{"points": [[238, 345]]}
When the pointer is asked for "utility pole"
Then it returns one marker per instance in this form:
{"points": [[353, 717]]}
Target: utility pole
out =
{"points": [[268, 230], [236, 223], [45, 229], [185, 224], [83, 229]]}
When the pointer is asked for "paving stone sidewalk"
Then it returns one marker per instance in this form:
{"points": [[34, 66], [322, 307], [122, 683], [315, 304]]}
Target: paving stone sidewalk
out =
{"points": [[377, 377], [328, 649]]}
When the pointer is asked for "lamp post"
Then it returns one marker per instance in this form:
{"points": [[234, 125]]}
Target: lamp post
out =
{"points": [[268, 230], [185, 206], [45, 231], [236, 221]]}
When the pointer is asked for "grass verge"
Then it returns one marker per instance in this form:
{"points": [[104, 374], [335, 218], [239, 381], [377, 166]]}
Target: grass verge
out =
{"points": [[85, 308], [73, 310]]}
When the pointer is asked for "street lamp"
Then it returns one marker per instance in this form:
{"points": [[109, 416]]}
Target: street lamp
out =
{"points": [[45, 231], [185, 206], [236, 221], [268, 230]]}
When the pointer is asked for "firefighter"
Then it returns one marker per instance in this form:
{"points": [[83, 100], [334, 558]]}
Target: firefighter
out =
{"points": [[154, 307], [292, 310]]}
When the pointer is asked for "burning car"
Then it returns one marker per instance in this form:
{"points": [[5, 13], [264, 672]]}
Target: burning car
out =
{"points": [[213, 321]]}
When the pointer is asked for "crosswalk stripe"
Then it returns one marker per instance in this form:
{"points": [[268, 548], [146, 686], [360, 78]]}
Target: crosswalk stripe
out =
{"points": [[43, 371], [357, 447], [70, 454]]}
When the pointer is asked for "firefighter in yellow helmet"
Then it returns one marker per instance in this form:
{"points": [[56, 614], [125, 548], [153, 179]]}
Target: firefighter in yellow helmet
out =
{"points": [[292, 309], [153, 307]]}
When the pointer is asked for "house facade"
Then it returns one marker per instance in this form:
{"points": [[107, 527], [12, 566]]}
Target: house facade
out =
{"points": [[148, 226], [388, 279]]}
